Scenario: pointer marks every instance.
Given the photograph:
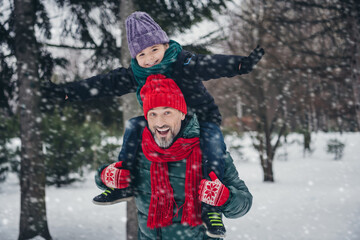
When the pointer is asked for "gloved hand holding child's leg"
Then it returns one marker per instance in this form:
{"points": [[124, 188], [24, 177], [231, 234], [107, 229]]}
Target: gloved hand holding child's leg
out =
{"points": [[115, 177], [115, 180]]}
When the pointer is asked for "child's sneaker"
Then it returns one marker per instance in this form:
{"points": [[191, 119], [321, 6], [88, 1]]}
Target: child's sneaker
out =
{"points": [[212, 220], [113, 195]]}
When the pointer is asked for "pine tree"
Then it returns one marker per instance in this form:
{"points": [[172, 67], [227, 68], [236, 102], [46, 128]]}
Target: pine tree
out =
{"points": [[33, 221]]}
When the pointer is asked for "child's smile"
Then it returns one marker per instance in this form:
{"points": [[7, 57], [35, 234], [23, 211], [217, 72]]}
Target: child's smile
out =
{"points": [[152, 63]]}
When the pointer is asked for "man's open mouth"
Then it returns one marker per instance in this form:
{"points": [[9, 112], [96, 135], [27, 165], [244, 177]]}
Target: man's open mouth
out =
{"points": [[163, 132]]}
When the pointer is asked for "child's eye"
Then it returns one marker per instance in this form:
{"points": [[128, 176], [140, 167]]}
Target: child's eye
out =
{"points": [[155, 49]]}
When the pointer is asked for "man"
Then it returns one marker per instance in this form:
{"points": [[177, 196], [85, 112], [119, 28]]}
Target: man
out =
{"points": [[167, 179]]}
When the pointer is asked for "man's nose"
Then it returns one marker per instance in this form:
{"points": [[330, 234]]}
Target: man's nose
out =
{"points": [[160, 122]]}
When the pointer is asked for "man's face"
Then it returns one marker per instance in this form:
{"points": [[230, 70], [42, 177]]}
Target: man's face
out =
{"points": [[164, 124], [151, 56]]}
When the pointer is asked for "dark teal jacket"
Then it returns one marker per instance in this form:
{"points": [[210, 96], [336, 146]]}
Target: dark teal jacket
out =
{"points": [[238, 204]]}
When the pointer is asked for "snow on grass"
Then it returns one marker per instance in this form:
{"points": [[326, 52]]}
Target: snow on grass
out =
{"points": [[313, 197]]}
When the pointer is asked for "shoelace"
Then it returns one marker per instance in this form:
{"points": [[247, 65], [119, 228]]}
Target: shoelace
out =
{"points": [[107, 191], [215, 219]]}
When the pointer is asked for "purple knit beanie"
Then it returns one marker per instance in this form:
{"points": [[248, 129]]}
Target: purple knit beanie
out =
{"points": [[142, 32]]}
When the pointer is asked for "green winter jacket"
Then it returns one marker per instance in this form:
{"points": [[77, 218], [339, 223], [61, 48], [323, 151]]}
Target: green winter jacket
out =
{"points": [[238, 204]]}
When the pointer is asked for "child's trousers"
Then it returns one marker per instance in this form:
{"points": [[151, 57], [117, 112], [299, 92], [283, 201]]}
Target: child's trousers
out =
{"points": [[131, 141], [213, 149]]}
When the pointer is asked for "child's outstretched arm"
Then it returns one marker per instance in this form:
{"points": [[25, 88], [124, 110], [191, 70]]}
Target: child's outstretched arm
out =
{"points": [[206, 67], [115, 83]]}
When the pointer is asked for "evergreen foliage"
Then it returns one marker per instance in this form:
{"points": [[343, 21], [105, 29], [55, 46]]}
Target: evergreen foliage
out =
{"points": [[71, 146], [8, 155], [179, 16], [73, 142]]}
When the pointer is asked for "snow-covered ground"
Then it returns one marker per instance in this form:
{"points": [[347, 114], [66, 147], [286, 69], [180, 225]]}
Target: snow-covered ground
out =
{"points": [[314, 197]]}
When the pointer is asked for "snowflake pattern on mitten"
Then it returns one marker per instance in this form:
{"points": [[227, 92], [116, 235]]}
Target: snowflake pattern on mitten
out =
{"points": [[210, 192], [213, 192], [108, 176], [113, 177]]}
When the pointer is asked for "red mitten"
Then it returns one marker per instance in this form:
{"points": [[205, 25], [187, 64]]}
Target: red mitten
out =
{"points": [[114, 177], [213, 192]]}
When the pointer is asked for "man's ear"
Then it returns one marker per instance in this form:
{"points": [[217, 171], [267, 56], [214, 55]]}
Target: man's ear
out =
{"points": [[182, 116]]}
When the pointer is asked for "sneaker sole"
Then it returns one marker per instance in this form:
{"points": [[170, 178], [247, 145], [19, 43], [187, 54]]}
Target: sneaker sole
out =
{"points": [[113, 202], [213, 235]]}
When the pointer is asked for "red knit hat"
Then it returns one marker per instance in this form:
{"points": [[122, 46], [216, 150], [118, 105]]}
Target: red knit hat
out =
{"points": [[160, 91]]}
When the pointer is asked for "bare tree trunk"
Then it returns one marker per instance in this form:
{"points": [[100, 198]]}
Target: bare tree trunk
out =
{"points": [[268, 171], [263, 150], [33, 221], [130, 109], [310, 108], [268, 162]]}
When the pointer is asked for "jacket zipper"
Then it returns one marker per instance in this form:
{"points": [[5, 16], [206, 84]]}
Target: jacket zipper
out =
{"points": [[158, 234]]}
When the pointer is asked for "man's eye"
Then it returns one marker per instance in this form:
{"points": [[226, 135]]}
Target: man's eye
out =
{"points": [[167, 113]]}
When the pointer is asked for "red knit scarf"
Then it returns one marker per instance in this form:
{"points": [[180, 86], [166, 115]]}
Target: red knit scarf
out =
{"points": [[162, 197]]}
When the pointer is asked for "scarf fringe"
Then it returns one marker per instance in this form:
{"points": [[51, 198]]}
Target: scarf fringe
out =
{"points": [[191, 212], [160, 211]]}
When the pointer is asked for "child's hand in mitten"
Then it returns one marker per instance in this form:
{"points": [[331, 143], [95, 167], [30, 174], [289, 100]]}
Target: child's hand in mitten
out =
{"points": [[248, 63]]}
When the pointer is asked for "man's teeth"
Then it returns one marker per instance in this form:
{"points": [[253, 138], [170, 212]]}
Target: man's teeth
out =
{"points": [[163, 130]]}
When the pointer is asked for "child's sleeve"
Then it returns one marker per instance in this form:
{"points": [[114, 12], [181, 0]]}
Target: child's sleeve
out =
{"points": [[206, 67], [115, 83], [240, 200]]}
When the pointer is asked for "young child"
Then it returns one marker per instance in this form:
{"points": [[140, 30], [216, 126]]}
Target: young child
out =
{"points": [[153, 53]]}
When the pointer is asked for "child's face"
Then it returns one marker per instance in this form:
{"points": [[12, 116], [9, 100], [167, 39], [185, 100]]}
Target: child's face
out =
{"points": [[151, 56]]}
